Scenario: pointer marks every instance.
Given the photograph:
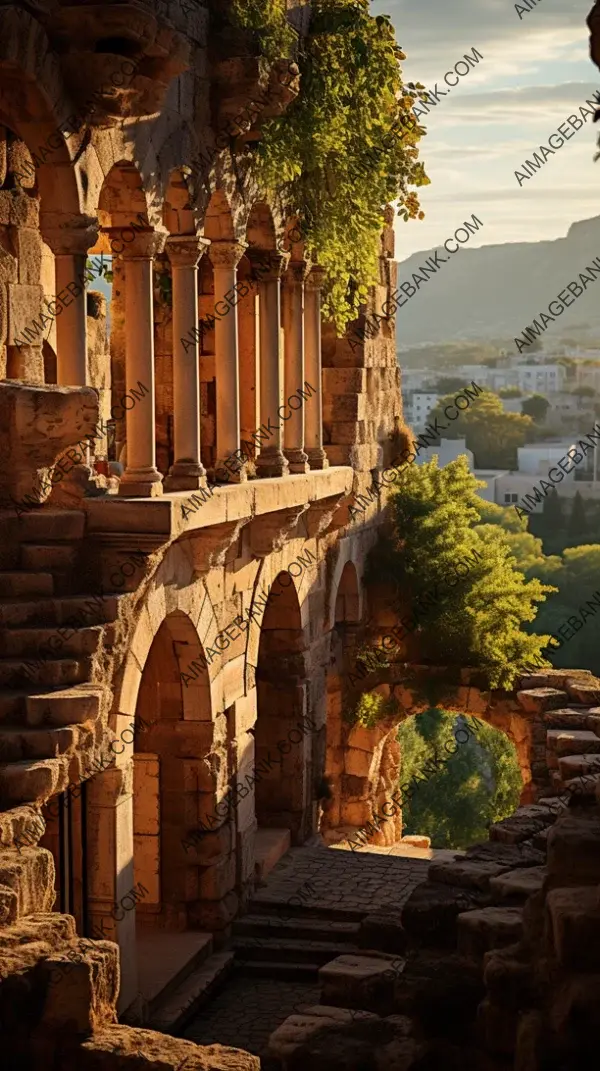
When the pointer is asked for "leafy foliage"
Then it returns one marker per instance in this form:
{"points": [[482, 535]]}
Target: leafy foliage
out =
{"points": [[492, 434], [477, 619], [536, 407], [479, 784], [373, 708], [346, 147], [267, 18]]}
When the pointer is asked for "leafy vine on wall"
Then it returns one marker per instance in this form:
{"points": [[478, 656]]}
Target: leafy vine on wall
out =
{"points": [[346, 146]]}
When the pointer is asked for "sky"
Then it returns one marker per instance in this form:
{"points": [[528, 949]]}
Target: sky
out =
{"points": [[535, 72]]}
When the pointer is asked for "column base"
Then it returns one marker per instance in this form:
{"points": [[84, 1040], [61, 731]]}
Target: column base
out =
{"points": [[297, 459], [271, 463], [141, 483], [185, 476], [317, 458], [221, 474]]}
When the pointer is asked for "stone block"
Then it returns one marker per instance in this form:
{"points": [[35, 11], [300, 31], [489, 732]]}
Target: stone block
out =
{"points": [[574, 921], [430, 913], [30, 874], [219, 879], [82, 994], [538, 700], [121, 1048], [361, 981], [383, 930], [574, 850], [9, 906], [490, 927]]}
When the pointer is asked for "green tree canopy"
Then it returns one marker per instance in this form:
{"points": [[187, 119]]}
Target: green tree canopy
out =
{"points": [[578, 524], [492, 434], [476, 618], [479, 784], [536, 407]]}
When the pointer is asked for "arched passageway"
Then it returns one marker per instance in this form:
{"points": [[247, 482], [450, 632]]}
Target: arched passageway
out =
{"points": [[283, 753]]}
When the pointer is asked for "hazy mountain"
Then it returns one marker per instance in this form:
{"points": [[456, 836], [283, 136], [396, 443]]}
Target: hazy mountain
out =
{"points": [[497, 290]]}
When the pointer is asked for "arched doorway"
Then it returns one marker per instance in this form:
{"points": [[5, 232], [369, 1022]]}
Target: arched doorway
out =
{"points": [[283, 746], [173, 790]]}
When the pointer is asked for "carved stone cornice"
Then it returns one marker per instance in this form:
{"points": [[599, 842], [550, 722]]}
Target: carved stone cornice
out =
{"points": [[320, 514], [268, 265], [270, 531], [209, 546]]}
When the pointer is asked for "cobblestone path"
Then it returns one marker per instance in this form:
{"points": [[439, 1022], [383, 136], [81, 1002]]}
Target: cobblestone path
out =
{"points": [[324, 879]]}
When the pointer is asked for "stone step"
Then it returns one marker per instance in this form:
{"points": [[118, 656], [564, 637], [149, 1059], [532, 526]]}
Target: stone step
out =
{"points": [[12, 706], [52, 526], [430, 912], [51, 557], [582, 786], [572, 742], [575, 926], [20, 744], [33, 781], [311, 929], [52, 672], [289, 950], [489, 927], [288, 972], [575, 765], [66, 610], [526, 822], [265, 903], [15, 642], [195, 991], [566, 718], [67, 706], [518, 885], [365, 980], [20, 584]]}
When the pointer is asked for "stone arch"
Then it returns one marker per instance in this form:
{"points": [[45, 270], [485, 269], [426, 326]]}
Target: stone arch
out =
{"points": [[32, 98], [371, 758], [282, 745]]}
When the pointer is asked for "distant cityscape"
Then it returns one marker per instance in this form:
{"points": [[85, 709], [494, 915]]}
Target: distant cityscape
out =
{"points": [[566, 377]]}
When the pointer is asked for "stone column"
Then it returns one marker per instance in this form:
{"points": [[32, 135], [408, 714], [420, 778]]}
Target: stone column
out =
{"points": [[270, 461], [225, 257], [70, 245], [187, 473], [141, 477], [293, 341], [313, 408]]}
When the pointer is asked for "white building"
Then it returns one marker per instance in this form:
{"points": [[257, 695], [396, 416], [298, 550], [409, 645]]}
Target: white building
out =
{"points": [[417, 407], [541, 378], [588, 375]]}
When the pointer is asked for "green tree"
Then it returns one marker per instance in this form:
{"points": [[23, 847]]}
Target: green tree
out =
{"points": [[578, 524], [492, 434], [584, 392], [578, 582], [536, 407], [449, 384], [479, 784], [510, 392], [475, 618]]}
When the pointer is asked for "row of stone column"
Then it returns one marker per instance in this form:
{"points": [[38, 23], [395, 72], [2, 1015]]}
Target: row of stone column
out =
{"points": [[291, 288]]}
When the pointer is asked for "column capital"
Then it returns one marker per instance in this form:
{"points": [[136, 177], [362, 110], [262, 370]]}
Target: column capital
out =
{"points": [[268, 265], [226, 254], [186, 250], [74, 237], [315, 278], [138, 245], [296, 273]]}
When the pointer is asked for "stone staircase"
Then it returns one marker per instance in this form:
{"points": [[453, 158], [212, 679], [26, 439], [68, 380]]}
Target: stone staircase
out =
{"points": [[573, 749], [293, 948], [51, 700]]}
